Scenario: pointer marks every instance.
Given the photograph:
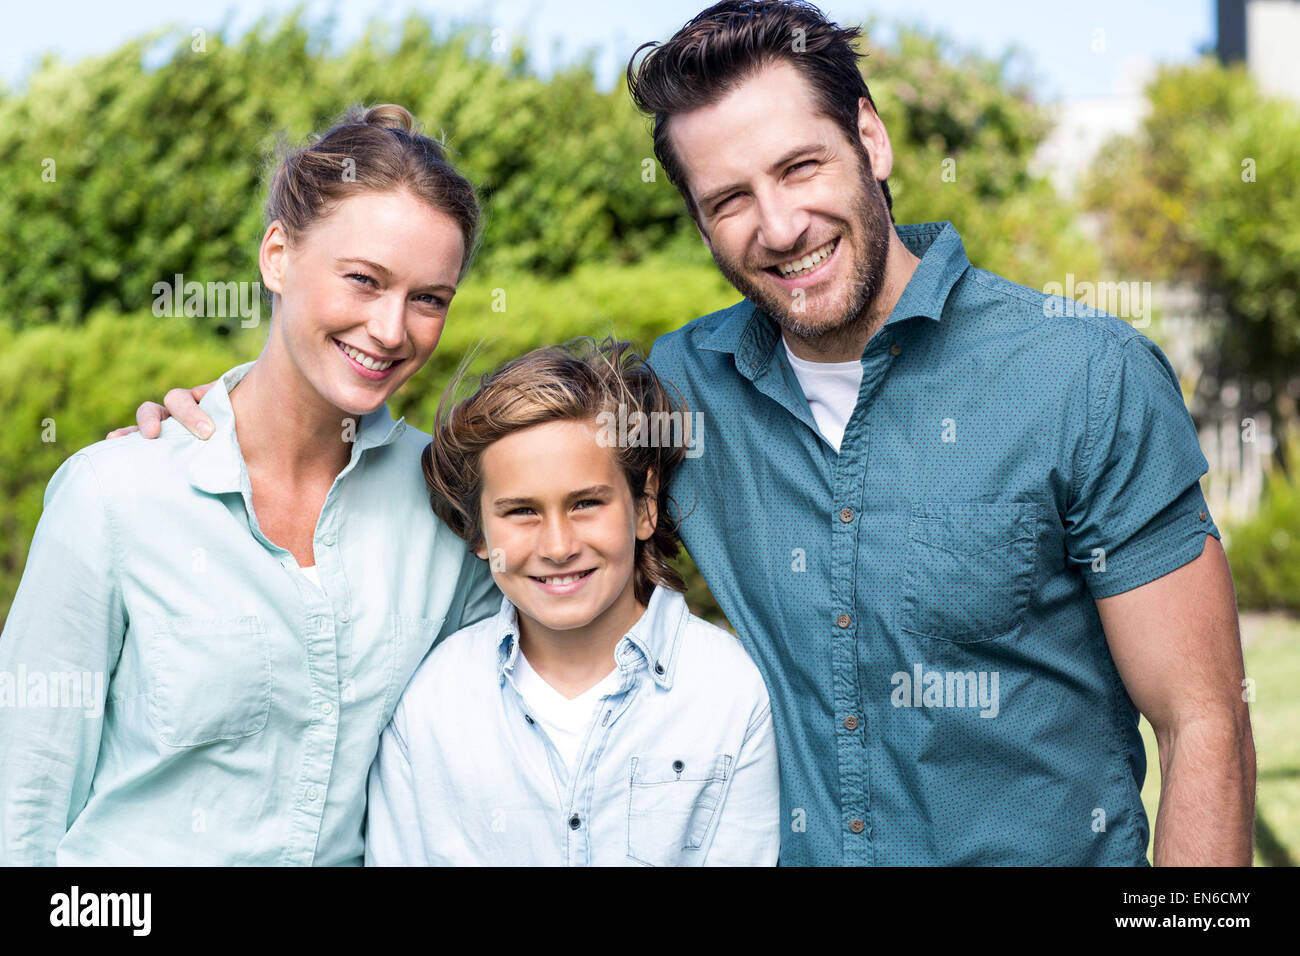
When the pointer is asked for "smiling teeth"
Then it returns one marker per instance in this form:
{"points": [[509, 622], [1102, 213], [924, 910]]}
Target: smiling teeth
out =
{"points": [[362, 358], [567, 579], [797, 267]]}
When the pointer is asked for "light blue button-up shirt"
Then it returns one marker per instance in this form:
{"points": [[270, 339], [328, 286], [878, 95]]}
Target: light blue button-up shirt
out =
{"points": [[678, 766], [177, 691]]}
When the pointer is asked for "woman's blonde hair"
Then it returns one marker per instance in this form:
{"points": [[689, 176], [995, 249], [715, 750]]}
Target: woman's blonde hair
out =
{"points": [[576, 381], [375, 149]]}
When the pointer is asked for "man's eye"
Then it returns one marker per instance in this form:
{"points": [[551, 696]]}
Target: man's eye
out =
{"points": [[806, 162]]}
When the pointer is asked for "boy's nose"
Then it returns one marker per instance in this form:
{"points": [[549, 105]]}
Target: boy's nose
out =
{"points": [[558, 543]]}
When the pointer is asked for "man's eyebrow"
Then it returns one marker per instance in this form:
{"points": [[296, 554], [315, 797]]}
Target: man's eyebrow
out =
{"points": [[787, 158], [380, 269]]}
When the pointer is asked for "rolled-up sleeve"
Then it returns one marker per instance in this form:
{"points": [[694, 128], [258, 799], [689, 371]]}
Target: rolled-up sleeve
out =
{"points": [[1137, 511], [59, 647]]}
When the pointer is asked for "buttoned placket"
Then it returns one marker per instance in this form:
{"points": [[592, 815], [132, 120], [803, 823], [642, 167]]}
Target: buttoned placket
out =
{"points": [[575, 790], [326, 618]]}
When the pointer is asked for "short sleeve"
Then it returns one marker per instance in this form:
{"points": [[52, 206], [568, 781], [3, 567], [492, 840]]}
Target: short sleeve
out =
{"points": [[1137, 511]]}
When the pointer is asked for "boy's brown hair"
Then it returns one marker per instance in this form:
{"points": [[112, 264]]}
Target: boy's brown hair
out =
{"points": [[576, 381]]}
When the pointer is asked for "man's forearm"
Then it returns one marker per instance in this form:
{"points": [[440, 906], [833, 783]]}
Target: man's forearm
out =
{"points": [[1207, 796]]}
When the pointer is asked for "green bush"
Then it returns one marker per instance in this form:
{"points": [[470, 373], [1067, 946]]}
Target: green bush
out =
{"points": [[1265, 550]]}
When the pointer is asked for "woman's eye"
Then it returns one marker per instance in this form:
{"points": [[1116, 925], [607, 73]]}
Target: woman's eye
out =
{"points": [[362, 276], [433, 300]]}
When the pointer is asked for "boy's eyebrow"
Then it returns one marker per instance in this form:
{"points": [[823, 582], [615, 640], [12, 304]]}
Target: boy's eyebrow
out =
{"points": [[571, 496]]}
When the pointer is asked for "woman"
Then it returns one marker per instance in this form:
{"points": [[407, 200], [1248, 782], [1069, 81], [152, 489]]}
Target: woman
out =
{"points": [[222, 628]]}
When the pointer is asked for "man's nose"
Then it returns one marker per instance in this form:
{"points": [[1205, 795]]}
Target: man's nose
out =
{"points": [[781, 222]]}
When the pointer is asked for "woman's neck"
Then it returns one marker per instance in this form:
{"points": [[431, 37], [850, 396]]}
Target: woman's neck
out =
{"points": [[283, 424]]}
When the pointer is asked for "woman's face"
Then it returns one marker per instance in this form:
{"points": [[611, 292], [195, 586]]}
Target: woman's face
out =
{"points": [[363, 294]]}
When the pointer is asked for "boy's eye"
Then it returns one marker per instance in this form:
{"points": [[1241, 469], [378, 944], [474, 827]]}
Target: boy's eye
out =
{"points": [[588, 501], [519, 511]]}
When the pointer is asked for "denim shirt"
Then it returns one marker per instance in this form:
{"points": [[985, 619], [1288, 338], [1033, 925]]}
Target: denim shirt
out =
{"points": [[678, 767], [179, 693], [923, 603]]}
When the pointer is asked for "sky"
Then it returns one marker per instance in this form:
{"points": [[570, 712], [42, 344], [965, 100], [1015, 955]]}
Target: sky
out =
{"points": [[1075, 50]]}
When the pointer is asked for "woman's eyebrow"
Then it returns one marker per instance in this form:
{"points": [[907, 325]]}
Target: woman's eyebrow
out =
{"points": [[387, 274]]}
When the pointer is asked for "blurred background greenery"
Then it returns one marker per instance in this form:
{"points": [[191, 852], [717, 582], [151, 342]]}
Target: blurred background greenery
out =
{"points": [[120, 175]]}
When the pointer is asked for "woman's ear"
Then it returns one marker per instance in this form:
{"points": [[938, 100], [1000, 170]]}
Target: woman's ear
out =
{"points": [[648, 508], [271, 257]]}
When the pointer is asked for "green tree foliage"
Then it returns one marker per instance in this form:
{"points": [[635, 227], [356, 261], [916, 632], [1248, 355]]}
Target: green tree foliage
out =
{"points": [[159, 157], [1206, 191]]}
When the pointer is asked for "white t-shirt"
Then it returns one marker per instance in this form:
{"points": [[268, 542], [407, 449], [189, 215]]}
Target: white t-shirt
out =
{"points": [[312, 575], [565, 721], [831, 389]]}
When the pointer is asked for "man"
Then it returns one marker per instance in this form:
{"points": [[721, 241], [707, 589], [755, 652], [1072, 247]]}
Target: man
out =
{"points": [[962, 535]]}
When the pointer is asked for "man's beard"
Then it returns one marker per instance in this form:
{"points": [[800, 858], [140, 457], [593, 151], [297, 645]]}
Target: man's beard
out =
{"points": [[870, 230]]}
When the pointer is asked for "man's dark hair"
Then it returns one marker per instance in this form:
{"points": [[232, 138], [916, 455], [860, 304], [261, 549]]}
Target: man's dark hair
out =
{"points": [[729, 42]]}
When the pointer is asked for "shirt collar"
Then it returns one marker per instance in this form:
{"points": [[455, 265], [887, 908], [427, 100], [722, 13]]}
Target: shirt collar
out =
{"points": [[652, 642], [750, 334], [217, 465]]}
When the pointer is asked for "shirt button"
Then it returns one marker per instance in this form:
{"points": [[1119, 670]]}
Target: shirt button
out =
{"points": [[344, 617], [843, 621], [846, 515], [1201, 514], [311, 793], [575, 821], [327, 707], [850, 723], [894, 349], [857, 826], [328, 540]]}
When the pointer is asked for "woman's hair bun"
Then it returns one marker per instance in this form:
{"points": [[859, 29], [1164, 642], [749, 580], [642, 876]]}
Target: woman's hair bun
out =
{"points": [[389, 116]]}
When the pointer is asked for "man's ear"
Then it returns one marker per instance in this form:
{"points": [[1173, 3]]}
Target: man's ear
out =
{"points": [[875, 140], [271, 256], [648, 508]]}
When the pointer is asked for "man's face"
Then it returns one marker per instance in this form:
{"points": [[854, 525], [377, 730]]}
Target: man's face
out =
{"points": [[788, 206]]}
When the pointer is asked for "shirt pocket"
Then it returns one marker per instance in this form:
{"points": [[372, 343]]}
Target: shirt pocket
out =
{"points": [[970, 569], [210, 679], [671, 804]]}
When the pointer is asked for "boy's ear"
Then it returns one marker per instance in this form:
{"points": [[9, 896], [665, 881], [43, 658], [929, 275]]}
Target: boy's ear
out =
{"points": [[481, 550], [648, 508]]}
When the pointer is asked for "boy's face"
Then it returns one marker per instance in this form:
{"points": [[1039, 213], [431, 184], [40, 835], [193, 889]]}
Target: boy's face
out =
{"points": [[789, 208], [560, 528]]}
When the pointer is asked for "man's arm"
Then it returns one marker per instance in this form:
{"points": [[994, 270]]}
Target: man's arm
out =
{"points": [[1177, 646]]}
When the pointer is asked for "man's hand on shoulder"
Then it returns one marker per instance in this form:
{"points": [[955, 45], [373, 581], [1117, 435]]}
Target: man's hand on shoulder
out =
{"points": [[181, 404]]}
